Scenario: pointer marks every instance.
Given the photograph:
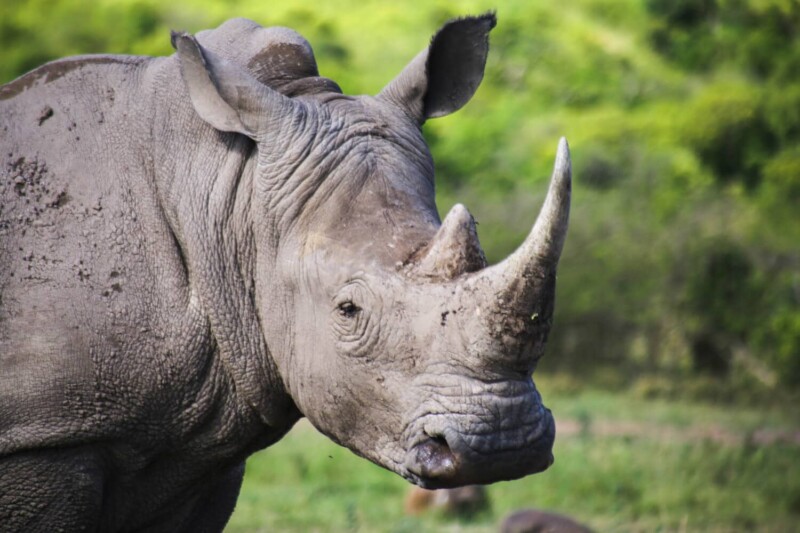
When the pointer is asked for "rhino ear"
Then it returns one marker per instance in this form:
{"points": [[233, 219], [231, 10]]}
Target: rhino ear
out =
{"points": [[224, 94], [441, 79]]}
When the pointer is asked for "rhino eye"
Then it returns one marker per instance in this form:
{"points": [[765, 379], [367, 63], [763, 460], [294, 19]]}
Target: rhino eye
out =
{"points": [[348, 309], [355, 328]]}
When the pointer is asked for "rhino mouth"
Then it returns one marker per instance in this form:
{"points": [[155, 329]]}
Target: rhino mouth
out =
{"points": [[451, 450]]}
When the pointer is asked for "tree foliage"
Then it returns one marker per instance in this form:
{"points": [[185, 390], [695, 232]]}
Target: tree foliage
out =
{"points": [[683, 116]]}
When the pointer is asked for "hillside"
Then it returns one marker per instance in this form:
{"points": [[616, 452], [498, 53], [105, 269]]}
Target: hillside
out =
{"points": [[684, 120]]}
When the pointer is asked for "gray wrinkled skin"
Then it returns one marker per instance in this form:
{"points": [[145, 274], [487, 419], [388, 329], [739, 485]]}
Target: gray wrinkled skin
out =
{"points": [[197, 250]]}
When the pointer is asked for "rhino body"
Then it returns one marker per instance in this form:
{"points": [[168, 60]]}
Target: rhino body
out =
{"points": [[198, 250]]}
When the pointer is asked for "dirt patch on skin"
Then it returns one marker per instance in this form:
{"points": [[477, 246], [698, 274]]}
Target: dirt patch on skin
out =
{"points": [[643, 430], [30, 196], [44, 114]]}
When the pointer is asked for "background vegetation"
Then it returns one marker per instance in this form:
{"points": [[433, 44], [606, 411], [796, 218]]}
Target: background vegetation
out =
{"points": [[681, 274]]}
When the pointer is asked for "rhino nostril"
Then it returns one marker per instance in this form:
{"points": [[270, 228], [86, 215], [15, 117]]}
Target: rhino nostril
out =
{"points": [[433, 459], [439, 440]]}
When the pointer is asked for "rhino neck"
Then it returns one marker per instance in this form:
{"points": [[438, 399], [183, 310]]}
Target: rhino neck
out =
{"points": [[205, 183]]}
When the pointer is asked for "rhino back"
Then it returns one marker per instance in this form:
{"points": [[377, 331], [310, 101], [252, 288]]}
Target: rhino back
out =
{"points": [[93, 292]]}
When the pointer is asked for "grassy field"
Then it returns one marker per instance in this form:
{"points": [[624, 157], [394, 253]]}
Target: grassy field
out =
{"points": [[622, 464]]}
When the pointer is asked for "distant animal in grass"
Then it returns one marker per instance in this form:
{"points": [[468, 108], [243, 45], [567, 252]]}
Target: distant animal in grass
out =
{"points": [[535, 521], [461, 501]]}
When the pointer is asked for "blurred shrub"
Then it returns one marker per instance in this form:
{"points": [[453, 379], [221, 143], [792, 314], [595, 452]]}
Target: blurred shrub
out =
{"points": [[782, 178], [721, 288], [782, 109], [683, 13], [559, 383], [586, 343], [779, 342], [727, 128], [702, 34], [682, 31], [684, 120], [721, 296], [598, 170], [650, 387]]}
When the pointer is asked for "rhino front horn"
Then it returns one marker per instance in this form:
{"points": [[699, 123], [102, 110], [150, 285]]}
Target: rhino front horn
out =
{"points": [[518, 281], [542, 248]]}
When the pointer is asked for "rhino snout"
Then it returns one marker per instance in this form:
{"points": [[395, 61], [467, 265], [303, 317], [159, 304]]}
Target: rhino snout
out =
{"points": [[496, 444]]}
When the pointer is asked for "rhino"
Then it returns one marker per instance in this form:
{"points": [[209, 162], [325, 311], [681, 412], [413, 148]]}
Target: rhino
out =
{"points": [[198, 250]]}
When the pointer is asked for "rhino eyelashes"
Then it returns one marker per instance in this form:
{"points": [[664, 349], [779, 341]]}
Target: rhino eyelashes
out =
{"points": [[349, 323], [348, 309]]}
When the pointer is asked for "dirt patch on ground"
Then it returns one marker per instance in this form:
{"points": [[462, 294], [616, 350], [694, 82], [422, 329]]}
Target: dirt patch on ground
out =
{"points": [[644, 430]]}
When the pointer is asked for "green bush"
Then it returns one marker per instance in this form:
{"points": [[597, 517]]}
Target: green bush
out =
{"points": [[684, 122], [727, 128], [782, 177], [779, 342], [704, 34]]}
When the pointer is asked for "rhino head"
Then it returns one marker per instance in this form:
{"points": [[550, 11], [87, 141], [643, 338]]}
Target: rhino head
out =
{"points": [[390, 332]]}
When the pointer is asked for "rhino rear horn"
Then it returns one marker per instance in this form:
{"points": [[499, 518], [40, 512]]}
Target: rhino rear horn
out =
{"points": [[455, 249], [441, 79], [224, 94]]}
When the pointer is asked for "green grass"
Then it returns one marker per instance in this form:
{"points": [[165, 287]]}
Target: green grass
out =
{"points": [[612, 483]]}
